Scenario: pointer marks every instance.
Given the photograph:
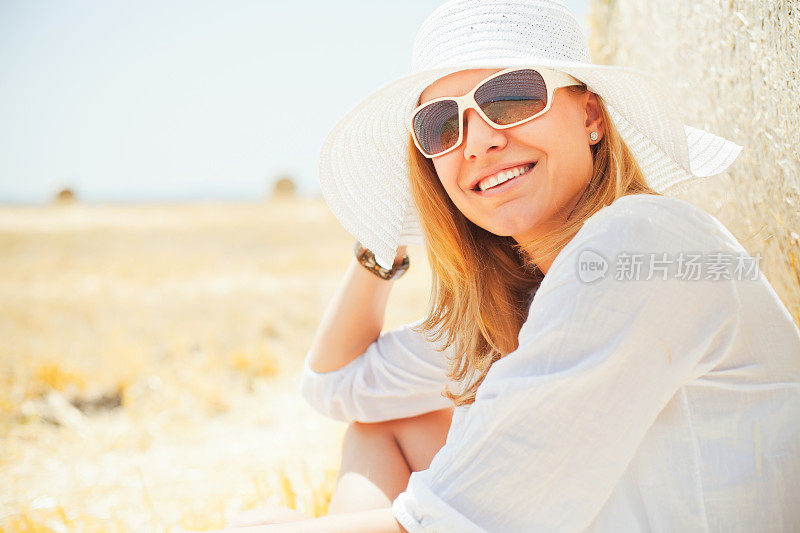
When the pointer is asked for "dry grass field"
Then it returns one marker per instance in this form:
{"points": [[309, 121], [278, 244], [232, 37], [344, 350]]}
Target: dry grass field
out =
{"points": [[150, 356]]}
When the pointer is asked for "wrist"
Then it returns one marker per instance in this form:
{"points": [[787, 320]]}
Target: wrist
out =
{"points": [[401, 255], [366, 259]]}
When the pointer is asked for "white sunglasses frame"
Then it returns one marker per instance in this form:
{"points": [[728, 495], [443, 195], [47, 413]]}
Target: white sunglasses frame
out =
{"points": [[553, 79]]}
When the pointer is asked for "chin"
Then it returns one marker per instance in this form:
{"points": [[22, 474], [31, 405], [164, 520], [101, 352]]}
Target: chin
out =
{"points": [[519, 224], [507, 230]]}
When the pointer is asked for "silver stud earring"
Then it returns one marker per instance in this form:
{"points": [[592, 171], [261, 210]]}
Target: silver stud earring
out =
{"points": [[593, 136]]}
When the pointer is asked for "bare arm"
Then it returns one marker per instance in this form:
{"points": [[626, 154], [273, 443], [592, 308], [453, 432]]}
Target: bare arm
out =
{"points": [[353, 318], [370, 521]]}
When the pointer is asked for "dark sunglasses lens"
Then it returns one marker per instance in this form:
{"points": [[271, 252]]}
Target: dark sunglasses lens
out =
{"points": [[436, 126], [513, 96]]}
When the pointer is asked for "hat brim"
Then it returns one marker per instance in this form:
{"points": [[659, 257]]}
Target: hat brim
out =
{"points": [[363, 167]]}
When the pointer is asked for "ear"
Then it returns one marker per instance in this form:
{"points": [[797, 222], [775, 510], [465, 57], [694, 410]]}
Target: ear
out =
{"points": [[594, 119]]}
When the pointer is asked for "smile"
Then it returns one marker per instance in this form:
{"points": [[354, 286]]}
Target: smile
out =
{"points": [[502, 177]]}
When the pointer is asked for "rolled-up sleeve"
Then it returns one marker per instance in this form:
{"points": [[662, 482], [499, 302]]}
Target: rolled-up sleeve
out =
{"points": [[556, 422], [400, 374]]}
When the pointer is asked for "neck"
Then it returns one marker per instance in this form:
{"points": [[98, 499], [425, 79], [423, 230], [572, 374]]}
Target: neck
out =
{"points": [[532, 241]]}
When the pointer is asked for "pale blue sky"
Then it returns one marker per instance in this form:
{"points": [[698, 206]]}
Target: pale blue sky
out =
{"points": [[186, 99]]}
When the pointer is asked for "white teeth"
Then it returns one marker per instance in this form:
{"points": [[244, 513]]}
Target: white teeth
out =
{"points": [[503, 176]]}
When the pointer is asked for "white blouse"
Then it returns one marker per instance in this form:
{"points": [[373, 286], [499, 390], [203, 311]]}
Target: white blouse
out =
{"points": [[666, 399]]}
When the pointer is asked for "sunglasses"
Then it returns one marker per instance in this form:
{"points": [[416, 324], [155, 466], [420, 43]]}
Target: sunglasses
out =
{"points": [[505, 99]]}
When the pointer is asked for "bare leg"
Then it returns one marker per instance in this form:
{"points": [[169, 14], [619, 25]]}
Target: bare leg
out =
{"points": [[373, 470], [378, 458]]}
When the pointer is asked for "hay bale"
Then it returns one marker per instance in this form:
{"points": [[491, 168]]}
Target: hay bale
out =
{"points": [[64, 196], [284, 188], [734, 67]]}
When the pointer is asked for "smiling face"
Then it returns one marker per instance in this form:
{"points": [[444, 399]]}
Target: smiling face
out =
{"points": [[534, 202]]}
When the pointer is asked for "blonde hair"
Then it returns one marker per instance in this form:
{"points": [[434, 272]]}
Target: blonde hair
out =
{"points": [[482, 282]]}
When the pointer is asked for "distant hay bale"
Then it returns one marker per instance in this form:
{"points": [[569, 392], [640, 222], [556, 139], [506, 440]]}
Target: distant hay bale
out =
{"points": [[65, 196], [283, 188]]}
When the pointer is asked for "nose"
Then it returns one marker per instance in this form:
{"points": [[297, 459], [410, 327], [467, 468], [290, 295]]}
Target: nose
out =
{"points": [[479, 136]]}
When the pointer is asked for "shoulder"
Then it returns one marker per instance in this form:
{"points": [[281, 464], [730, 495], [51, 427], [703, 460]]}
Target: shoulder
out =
{"points": [[643, 214], [646, 225], [629, 263], [662, 223]]}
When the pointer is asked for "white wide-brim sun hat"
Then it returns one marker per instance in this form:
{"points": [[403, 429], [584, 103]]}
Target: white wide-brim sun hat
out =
{"points": [[363, 167]]}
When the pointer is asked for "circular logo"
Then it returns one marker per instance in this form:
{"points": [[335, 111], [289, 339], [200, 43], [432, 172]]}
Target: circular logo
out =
{"points": [[591, 266]]}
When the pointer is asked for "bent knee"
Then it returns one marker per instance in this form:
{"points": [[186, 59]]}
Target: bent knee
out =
{"points": [[436, 418], [421, 437], [418, 437]]}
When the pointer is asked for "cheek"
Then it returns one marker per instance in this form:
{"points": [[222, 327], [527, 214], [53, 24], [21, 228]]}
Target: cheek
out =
{"points": [[563, 144], [447, 169]]}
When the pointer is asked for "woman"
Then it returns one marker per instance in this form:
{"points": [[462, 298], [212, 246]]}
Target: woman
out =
{"points": [[612, 357]]}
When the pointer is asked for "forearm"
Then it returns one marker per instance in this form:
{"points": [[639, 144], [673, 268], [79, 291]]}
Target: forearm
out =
{"points": [[352, 320], [371, 521]]}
